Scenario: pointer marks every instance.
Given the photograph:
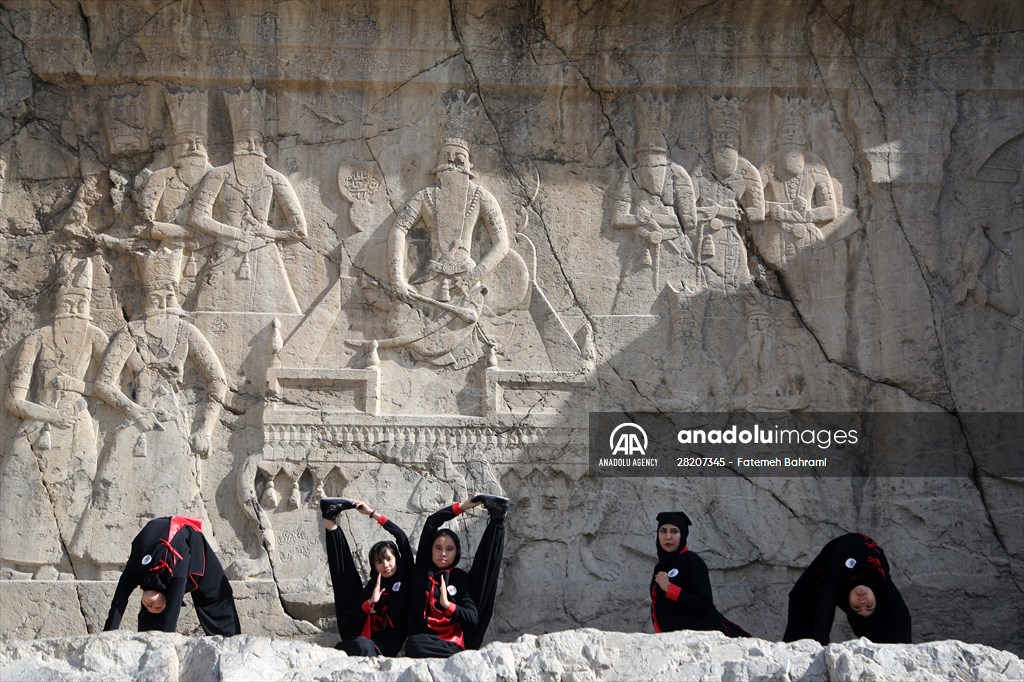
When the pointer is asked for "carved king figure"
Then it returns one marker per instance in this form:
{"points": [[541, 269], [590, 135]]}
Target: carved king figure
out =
{"points": [[442, 291]]}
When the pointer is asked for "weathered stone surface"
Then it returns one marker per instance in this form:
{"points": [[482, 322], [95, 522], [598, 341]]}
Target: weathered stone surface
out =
{"points": [[741, 205], [572, 654]]}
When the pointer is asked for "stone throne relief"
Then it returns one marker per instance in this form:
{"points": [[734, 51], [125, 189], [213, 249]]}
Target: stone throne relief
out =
{"points": [[48, 469], [655, 208]]}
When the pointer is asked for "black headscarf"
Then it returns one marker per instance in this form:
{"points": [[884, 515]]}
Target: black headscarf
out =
{"points": [[458, 545], [680, 521]]}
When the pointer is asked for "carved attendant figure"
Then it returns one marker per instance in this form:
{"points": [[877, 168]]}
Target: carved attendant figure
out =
{"points": [[47, 475], [233, 205], [153, 463], [656, 200], [728, 190], [771, 374], [798, 190], [166, 199]]}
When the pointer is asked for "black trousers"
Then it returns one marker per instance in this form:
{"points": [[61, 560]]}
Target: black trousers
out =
{"points": [[427, 645], [346, 584], [360, 646], [484, 572], [803, 604]]}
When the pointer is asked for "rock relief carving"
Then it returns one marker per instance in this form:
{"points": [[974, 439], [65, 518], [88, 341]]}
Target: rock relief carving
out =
{"points": [[441, 485], [991, 261], [800, 198], [234, 205], [151, 464], [167, 194], [48, 472], [656, 202], [768, 369], [730, 198], [363, 187], [123, 122], [441, 287]]}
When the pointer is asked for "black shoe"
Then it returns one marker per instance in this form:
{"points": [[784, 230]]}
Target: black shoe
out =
{"points": [[497, 505], [330, 507]]}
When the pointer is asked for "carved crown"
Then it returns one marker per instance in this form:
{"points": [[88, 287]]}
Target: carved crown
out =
{"points": [[653, 120], [188, 112], [74, 276], [724, 118], [246, 109], [124, 132], [160, 268], [792, 116], [458, 112], [756, 304]]}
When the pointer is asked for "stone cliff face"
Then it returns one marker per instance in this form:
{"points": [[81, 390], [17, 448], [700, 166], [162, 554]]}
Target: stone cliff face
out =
{"points": [[244, 267]]}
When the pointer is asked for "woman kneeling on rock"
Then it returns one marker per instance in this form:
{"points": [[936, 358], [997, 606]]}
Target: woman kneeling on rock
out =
{"points": [[850, 572], [372, 618], [680, 588], [450, 607]]}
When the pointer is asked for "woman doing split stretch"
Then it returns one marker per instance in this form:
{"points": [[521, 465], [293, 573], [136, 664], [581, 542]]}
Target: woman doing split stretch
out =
{"points": [[680, 589], [372, 619], [450, 608], [850, 572]]}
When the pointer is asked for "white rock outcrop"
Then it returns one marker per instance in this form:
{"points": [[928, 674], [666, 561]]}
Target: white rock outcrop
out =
{"points": [[569, 655]]}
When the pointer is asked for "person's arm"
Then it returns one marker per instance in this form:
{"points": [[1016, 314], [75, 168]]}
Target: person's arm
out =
{"points": [[288, 202], [494, 221], [201, 215], [127, 583], [408, 217], [16, 401], [462, 608], [107, 384], [823, 199], [685, 199], [433, 524], [216, 388], [691, 587], [825, 609], [752, 198], [405, 555]]}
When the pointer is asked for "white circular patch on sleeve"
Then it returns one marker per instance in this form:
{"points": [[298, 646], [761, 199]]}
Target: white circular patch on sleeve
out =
{"points": [[397, 586], [673, 573], [851, 562], [146, 559], [452, 590]]}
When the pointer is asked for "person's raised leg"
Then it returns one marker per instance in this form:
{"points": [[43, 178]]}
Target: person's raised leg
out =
{"points": [[487, 565], [345, 581]]}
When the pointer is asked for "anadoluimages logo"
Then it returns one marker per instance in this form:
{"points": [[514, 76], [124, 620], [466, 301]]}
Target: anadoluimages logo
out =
{"points": [[628, 439]]}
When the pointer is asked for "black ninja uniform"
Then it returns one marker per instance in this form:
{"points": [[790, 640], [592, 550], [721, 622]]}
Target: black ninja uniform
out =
{"points": [[844, 563], [437, 633], [170, 555], [688, 603], [366, 630]]}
